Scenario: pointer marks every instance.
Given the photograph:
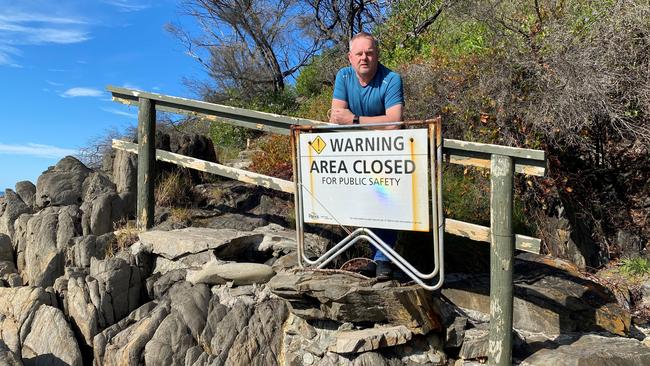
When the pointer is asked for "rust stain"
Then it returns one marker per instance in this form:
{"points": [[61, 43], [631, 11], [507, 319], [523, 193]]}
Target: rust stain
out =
{"points": [[414, 198], [311, 177]]}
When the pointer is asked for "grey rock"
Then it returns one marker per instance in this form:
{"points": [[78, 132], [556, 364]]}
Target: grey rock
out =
{"points": [[593, 350], [82, 312], [47, 237], [87, 247], [191, 303], [14, 280], [11, 208], [100, 216], [21, 237], [124, 343], [239, 273], [551, 297], [118, 286], [370, 359], [50, 341], [629, 244], [234, 221], [348, 298], [61, 185], [259, 343], [475, 344], [7, 357], [170, 342], [125, 173], [158, 285], [27, 192], [281, 241], [163, 265], [17, 308], [456, 332], [177, 243], [181, 328], [142, 315], [6, 249], [356, 341], [7, 268], [96, 184]]}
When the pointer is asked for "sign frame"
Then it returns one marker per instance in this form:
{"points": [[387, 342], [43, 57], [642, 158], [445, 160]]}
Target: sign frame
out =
{"points": [[384, 172], [434, 132]]}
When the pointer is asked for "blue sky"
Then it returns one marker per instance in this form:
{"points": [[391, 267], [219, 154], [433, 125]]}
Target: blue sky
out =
{"points": [[56, 59]]}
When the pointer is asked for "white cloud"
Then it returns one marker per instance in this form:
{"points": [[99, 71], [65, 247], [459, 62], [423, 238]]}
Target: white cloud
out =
{"points": [[37, 150], [22, 26], [127, 5], [53, 83], [120, 113], [82, 92]]}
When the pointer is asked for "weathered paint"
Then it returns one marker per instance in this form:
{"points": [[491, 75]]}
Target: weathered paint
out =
{"points": [[214, 168], [501, 261], [414, 190], [146, 162], [464, 152]]}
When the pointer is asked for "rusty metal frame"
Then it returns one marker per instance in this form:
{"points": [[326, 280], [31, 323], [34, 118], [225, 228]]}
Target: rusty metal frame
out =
{"points": [[435, 160]]}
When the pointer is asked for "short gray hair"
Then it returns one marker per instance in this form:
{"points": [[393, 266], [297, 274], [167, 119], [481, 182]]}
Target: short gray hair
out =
{"points": [[363, 34]]}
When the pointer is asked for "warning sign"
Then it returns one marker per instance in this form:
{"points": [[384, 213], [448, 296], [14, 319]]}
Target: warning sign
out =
{"points": [[367, 178]]}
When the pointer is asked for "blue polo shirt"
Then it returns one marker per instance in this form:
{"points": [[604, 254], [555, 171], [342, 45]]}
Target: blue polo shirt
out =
{"points": [[384, 91]]}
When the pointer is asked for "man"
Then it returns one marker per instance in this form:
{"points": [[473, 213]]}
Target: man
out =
{"points": [[368, 92]]}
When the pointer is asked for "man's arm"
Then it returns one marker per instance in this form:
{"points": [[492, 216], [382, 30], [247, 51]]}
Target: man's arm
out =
{"points": [[342, 115]]}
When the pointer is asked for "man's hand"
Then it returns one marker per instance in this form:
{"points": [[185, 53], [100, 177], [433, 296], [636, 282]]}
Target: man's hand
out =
{"points": [[342, 116]]}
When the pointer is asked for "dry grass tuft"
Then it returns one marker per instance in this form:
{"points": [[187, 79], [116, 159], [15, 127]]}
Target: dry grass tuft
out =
{"points": [[173, 189], [126, 234]]}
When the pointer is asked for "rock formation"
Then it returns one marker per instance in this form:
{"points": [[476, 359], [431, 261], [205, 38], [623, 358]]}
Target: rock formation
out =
{"points": [[227, 291]]}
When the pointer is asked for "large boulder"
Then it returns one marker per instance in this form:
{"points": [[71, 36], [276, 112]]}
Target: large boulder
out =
{"points": [[550, 298], [191, 326], [49, 340], [17, 308], [62, 184], [6, 249], [48, 235], [178, 243], [125, 171], [345, 297], [592, 349], [11, 207], [116, 285], [101, 214], [27, 192], [98, 297]]}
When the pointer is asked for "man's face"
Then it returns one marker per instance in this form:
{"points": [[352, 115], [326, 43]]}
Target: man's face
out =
{"points": [[363, 57]]}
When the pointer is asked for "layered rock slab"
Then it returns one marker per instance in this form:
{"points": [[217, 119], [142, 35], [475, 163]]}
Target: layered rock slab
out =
{"points": [[550, 298], [593, 349], [344, 297]]}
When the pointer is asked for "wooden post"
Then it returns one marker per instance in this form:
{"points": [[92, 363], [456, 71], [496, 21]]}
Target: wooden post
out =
{"points": [[146, 162], [502, 249]]}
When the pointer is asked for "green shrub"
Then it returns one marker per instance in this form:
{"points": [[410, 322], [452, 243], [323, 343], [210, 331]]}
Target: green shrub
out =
{"points": [[274, 158], [637, 266]]}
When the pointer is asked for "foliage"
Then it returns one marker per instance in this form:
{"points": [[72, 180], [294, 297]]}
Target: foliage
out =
{"points": [[317, 106], [275, 157], [466, 197], [173, 189], [637, 266], [250, 46], [321, 72]]}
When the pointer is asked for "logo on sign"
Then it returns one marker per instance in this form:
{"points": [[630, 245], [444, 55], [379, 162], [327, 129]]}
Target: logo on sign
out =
{"points": [[318, 144]]}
